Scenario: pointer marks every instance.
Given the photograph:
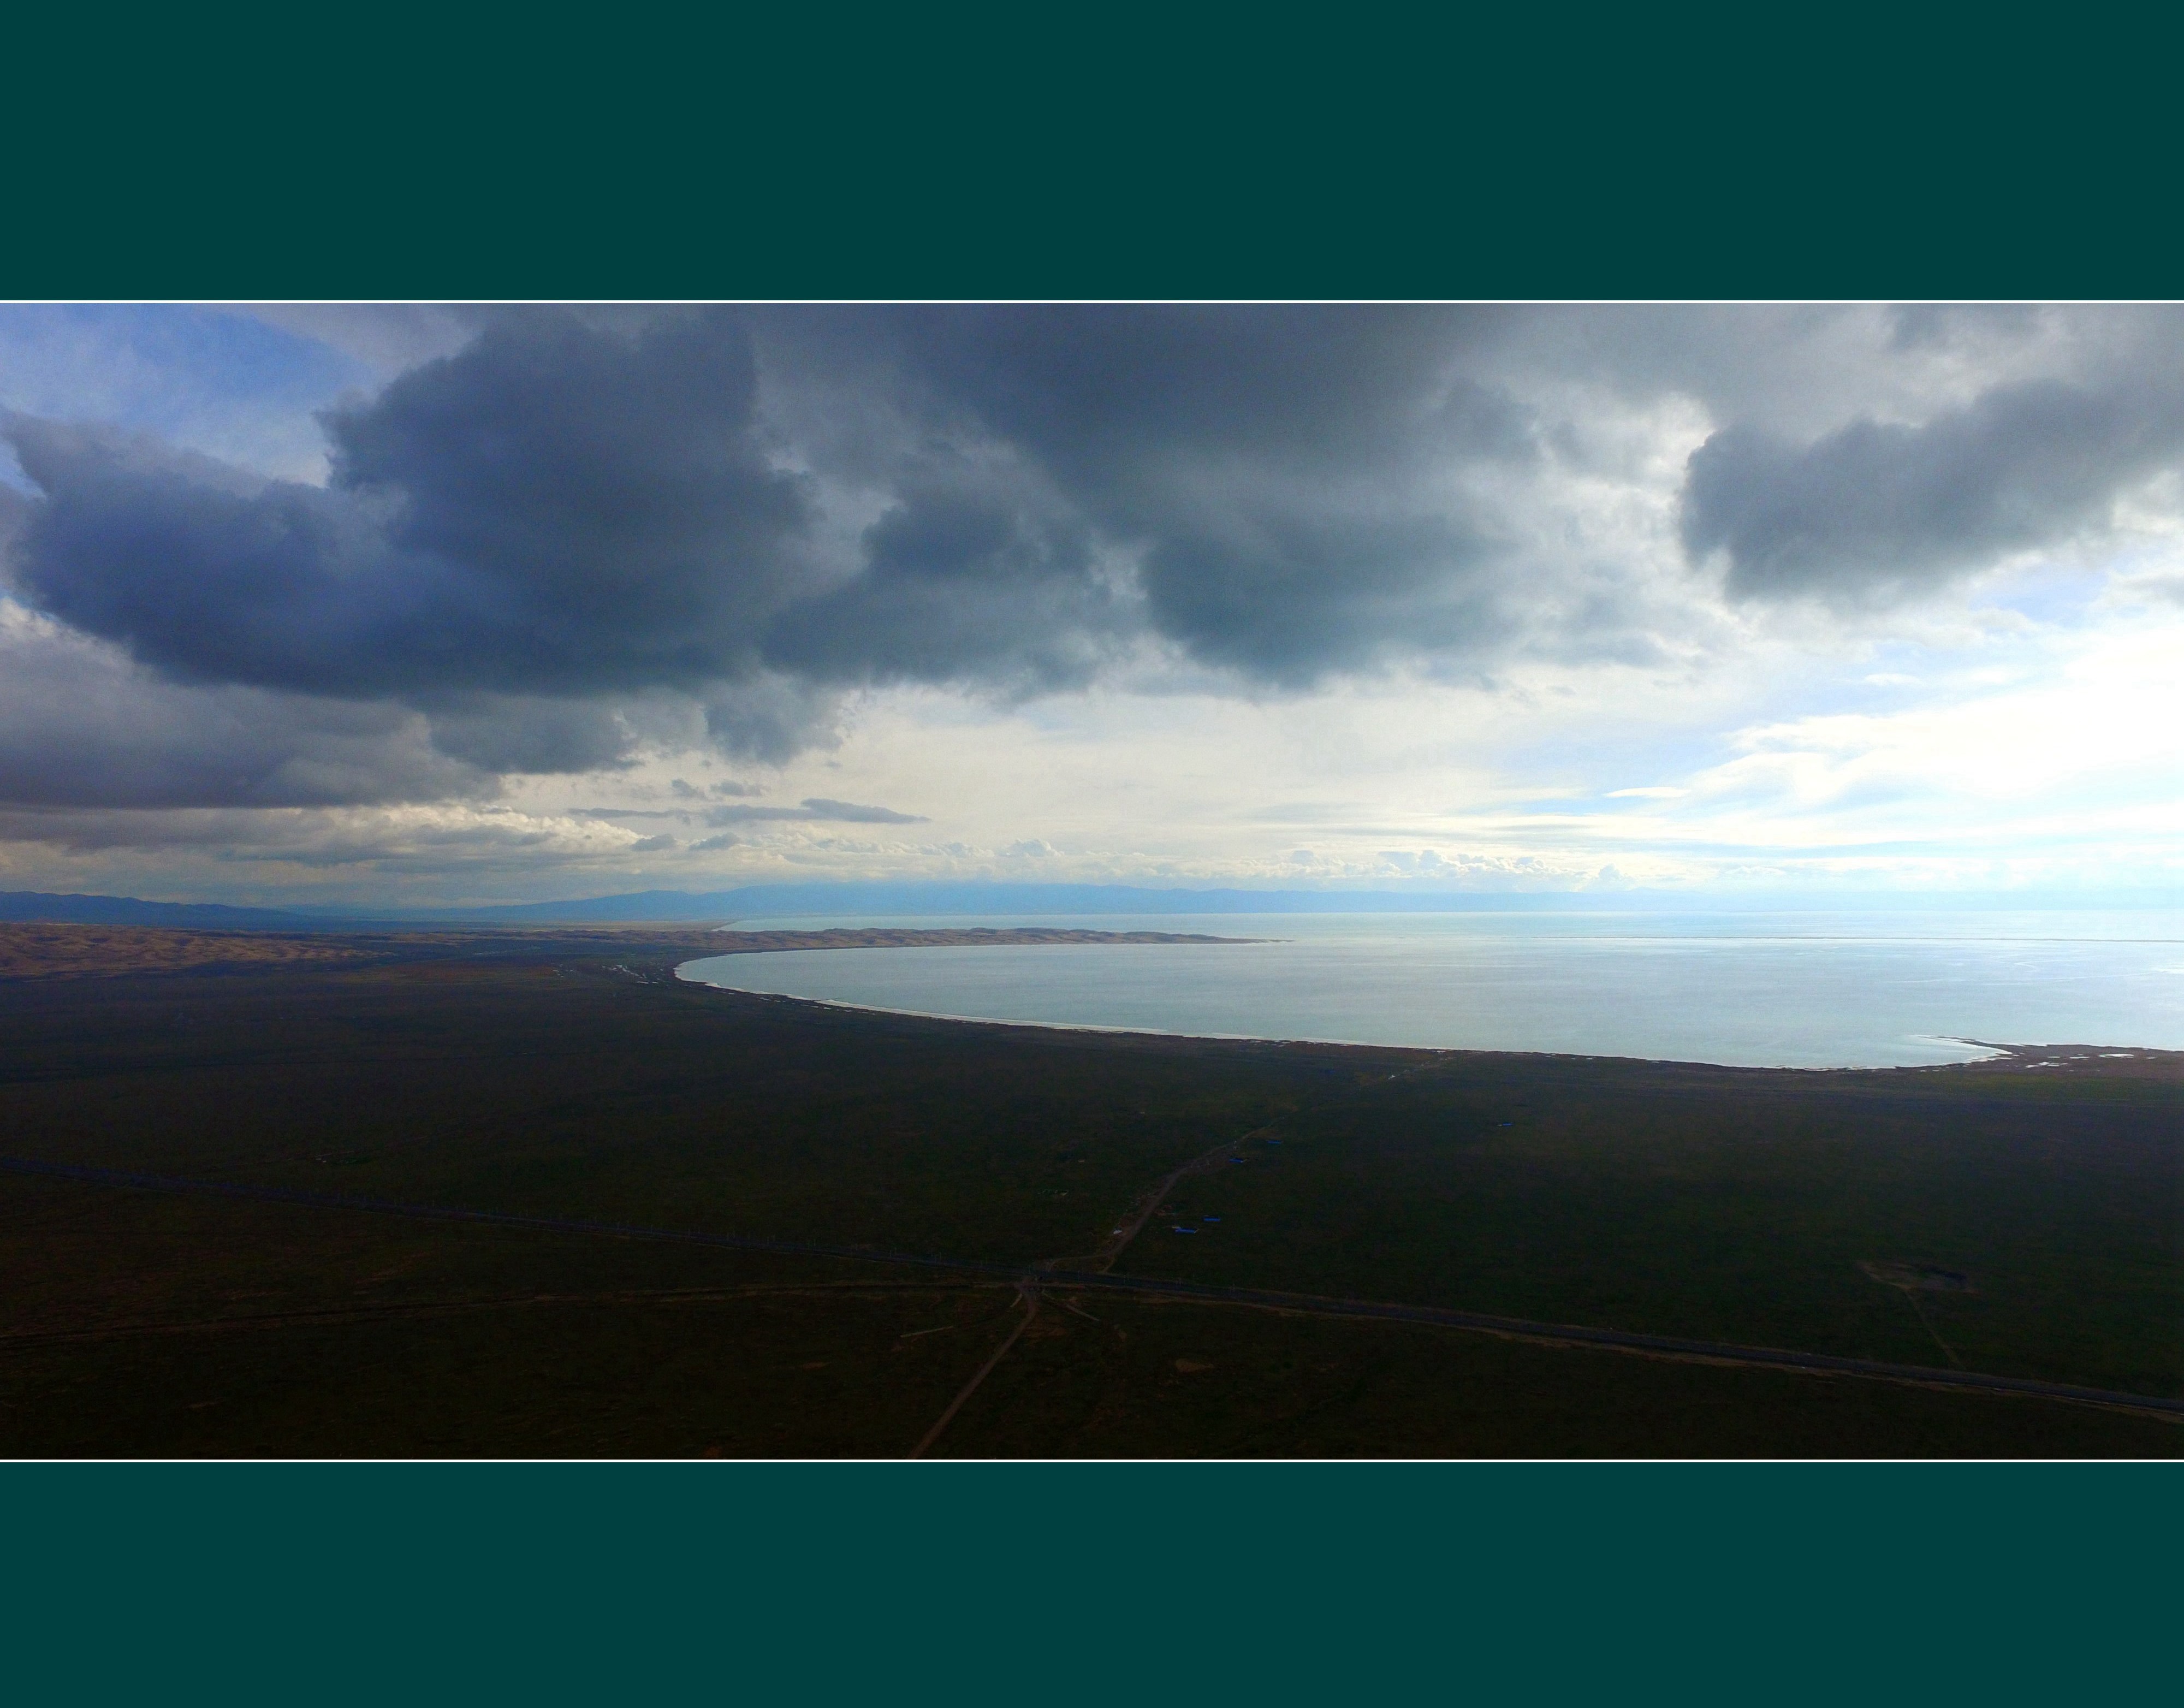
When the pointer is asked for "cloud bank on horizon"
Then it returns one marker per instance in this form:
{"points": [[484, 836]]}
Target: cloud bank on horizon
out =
{"points": [[454, 604]]}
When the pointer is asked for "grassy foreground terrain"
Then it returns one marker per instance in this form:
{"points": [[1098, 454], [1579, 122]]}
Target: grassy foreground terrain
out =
{"points": [[2022, 1218]]}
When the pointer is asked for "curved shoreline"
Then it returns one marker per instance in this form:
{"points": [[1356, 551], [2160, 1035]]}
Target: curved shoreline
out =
{"points": [[1990, 1054]]}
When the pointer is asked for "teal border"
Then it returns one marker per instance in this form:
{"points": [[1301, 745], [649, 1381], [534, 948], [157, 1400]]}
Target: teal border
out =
{"points": [[1122, 151], [1078, 1582]]}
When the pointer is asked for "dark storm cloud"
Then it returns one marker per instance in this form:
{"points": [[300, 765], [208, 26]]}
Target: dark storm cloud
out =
{"points": [[1093, 390], [555, 510], [771, 716], [565, 510], [80, 726], [14, 518], [1287, 596], [530, 733], [1272, 471], [962, 581], [1889, 506]]}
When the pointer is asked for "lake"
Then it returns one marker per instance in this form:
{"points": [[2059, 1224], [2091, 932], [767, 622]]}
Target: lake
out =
{"points": [[1831, 990]]}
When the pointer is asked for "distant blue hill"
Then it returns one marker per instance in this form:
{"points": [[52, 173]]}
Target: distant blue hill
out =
{"points": [[673, 907], [25, 906], [789, 901]]}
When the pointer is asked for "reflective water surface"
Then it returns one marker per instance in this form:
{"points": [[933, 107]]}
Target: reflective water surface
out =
{"points": [[1780, 989]]}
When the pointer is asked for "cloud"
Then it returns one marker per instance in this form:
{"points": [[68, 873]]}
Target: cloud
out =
{"points": [[1876, 507], [15, 509], [848, 812], [563, 542], [815, 810], [963, 580], [82, 726], [1279, 479], [440, 837], [1283, 595], [385, 337], [531, 734], [556, 510], [2158, 588], [759, 509]]}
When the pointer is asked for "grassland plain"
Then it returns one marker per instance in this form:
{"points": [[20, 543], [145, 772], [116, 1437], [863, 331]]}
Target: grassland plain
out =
{"points": [[2044, 1209], [2021, 1220]]}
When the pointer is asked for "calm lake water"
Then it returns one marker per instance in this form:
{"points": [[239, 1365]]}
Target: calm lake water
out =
{"points": [[1774, 989]]}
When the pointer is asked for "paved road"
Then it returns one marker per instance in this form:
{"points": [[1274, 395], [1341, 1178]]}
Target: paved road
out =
{"points": [[1033, 1277]]}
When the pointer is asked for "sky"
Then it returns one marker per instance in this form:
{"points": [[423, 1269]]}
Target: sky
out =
{"points": [[409, 605]]}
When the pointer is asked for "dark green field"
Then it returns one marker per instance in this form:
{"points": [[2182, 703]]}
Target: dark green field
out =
{"points": [[2007, 1218]]}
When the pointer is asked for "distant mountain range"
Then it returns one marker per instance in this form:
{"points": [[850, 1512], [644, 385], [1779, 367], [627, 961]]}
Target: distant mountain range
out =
{"points": [[770, 900], [792, 901], [23, 905]]}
